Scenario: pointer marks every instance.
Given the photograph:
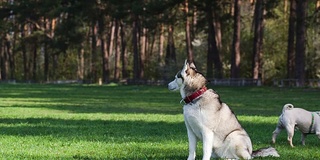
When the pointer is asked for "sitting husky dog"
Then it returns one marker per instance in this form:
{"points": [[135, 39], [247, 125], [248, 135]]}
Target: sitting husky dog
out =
{"points": [[211, 121], [291, 118]]}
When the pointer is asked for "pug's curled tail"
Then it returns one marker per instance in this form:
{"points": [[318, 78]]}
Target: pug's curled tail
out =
{"points": [[287, 107], [265, 152]]}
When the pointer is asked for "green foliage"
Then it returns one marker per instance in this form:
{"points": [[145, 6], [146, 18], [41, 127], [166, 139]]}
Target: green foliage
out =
{"points": [[73, 20], [132, 122]]}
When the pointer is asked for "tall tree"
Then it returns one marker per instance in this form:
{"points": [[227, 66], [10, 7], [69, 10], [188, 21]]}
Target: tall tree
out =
{"points": [[291, 40], [116, 75], [217, 26], [143, 51], [187, 32], [80, 60], [235, 55], [213, 55], [161, 44], [300, 41], [124, 57], [34, 59], [24, 52], [104, 48], [3, 61], [170, 49], [111, 37], [135, 43], [170, 57], [258, 39], [47, 26], [94, 69]]}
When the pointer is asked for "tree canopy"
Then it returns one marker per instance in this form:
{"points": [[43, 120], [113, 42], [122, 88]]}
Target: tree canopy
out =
{"points": [[115, 40]]}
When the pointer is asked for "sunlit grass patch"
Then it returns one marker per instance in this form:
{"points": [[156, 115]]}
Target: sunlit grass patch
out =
{"points": [[131, 122]]}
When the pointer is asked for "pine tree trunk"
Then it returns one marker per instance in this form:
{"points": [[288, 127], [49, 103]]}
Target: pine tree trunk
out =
{"points": [[143, 43], [209, 39], [170, 49], [116, 75], [235, 55], [3, 69], [124, 57], [291, 40], [301, 41], [213, 55], [55, 66], [24, 54], [81, 62], [161, 44], [45, 52], [135, 33], [104, 51], [258, 40], [217, 26], [12, 57], [7, 57], [93, 71], [111, 39], [34, 61], [187, 30]]}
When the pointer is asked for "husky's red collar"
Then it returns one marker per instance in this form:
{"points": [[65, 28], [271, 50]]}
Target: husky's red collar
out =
{"points": [[195, 95]]}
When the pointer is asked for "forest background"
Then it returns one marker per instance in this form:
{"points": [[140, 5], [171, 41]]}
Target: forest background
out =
{"points": [[118, 40]]}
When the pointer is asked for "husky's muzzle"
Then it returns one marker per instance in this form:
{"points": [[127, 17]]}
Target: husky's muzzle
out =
{"points": [[173, 86], [176, 83]]}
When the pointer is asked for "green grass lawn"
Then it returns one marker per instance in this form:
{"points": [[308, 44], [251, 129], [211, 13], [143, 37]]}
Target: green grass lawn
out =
{"points": [[40, 121]]}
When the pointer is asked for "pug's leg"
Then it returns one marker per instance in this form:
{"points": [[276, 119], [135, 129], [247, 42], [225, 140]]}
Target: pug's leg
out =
{"points": [[290, 131], [303, 137], [275, 133]]}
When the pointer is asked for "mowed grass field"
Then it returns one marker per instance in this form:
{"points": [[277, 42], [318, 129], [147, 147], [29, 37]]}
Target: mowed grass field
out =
{"points": [[41, 121]]}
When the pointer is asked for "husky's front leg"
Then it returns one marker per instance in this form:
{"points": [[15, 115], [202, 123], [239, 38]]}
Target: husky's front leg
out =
{"points": [[192, 144], [207, 138]]}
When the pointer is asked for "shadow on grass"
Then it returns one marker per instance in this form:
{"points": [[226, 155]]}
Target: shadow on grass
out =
{"points": [[92, 130], [127, 132], [141, 139], [264, 101], [93, 99]]}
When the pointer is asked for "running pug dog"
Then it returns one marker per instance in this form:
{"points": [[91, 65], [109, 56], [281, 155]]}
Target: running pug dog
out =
{"points": [[211, 121], [291, 118]]}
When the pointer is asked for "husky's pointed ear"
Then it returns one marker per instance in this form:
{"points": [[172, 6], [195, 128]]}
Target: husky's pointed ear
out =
{"points": [[192, 65], [185, 62], [185, 66]]}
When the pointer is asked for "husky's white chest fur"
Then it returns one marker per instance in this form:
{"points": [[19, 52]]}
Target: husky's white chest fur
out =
{"points": [[199, 116], [192, 114]]}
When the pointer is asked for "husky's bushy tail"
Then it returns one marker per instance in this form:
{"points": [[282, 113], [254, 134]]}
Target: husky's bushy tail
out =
{"points": [[265, 152], [287, 107]]}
